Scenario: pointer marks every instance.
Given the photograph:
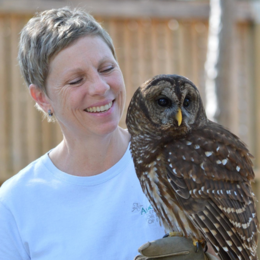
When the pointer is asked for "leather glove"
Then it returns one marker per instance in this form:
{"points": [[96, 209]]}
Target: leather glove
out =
{"points": [[172, 248]]}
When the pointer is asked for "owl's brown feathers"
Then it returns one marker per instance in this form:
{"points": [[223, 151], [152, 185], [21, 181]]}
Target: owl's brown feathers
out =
{"points": [[195, 173]]}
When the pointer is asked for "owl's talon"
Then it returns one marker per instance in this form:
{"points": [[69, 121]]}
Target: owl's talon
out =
{"points": [[197, 247], [196, 244]]}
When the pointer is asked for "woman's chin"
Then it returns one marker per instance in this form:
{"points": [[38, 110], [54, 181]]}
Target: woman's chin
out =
{"points": [[106, 129]]}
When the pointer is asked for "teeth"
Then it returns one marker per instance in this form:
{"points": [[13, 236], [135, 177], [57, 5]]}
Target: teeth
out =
{"points": [[99, 109]]}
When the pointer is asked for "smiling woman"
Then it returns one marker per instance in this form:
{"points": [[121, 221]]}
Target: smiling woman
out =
{"points": [[84, 77], [65, 204], [77, 201]]}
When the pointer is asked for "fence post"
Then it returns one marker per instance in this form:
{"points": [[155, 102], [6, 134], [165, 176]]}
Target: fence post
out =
{"points": [[256, 30]]}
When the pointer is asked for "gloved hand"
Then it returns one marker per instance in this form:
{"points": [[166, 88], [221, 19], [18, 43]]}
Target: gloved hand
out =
{"points": [[172, 248]]}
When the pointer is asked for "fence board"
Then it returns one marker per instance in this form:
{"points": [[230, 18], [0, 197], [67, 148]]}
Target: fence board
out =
{"points": [[248, 54], [3, 101], [201, 29], [169, 50], [257, 95], [127, 63], [140, 52], [194, 55], [18, 100], [174, 27], [244, 84]]}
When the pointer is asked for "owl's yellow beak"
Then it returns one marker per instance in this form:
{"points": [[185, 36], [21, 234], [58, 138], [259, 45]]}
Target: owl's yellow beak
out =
{"points": [[179, 117]]}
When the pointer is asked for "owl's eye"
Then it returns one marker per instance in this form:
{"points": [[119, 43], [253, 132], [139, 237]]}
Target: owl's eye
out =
{"points": [[186, 102], [164, 102]]}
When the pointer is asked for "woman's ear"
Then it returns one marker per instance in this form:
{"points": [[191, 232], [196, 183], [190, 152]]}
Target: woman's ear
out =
{"points": [[40, 97]]}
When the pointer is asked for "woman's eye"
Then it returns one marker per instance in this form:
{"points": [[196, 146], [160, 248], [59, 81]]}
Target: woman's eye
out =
{"points": [[75, 82], [107, 69], [164, 102]]}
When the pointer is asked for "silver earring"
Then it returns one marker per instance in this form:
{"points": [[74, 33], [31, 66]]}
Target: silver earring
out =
{"points": [[50, 113]]}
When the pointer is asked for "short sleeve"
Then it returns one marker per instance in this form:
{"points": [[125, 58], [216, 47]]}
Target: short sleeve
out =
{"points": [[11, 246]]}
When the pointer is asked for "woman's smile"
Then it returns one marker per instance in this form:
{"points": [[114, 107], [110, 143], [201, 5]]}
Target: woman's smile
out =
{"points": [[100, 109]]}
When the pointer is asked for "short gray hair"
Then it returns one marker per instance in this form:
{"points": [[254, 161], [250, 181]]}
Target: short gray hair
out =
{"points": [[47, 33]]}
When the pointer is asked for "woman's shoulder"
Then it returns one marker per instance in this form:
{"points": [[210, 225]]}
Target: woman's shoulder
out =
{"points": [[21, 182]]}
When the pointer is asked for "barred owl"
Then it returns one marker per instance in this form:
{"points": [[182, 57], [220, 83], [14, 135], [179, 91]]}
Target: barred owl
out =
{"points": [[196, 174]]}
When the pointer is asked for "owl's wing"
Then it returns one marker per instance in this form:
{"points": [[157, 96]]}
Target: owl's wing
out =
{"points": [[210, 170]]}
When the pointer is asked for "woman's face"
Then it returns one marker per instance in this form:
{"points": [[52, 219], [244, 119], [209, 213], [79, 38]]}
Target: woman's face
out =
{"points": [[86, 88]]}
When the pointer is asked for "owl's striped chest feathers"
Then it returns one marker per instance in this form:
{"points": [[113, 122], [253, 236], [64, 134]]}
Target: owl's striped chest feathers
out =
{"points": [[152, 174]]}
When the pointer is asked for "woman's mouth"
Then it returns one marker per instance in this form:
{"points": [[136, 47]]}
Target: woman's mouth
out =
{"points": [[100, 109]]}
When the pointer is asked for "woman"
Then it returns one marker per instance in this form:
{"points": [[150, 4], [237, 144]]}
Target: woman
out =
{"points": [[81, 200]]}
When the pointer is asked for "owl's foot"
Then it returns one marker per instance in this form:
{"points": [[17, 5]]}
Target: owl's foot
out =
{"points": [[197, 243], [173, 234]]}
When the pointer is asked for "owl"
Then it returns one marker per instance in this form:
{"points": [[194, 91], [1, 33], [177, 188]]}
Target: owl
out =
{"points": [[196, 174]]}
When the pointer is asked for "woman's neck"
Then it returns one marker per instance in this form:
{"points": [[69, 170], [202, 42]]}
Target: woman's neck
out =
{"points": [[90, 157]]}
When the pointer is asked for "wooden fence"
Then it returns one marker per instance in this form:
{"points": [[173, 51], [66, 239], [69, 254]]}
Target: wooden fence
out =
{"points": [[144, 47]]}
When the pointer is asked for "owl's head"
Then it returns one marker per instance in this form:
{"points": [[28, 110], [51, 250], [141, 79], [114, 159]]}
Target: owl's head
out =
{"points": [[167, 102]]}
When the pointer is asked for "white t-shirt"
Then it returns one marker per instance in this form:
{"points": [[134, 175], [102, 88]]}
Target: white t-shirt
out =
{"points": [[46, 214]]}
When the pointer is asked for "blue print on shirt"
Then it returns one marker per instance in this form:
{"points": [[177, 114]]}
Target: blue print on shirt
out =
{"points": [[147, 212]]}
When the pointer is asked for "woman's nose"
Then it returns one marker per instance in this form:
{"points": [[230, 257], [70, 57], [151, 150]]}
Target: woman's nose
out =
{"points": [[97, 85]]}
